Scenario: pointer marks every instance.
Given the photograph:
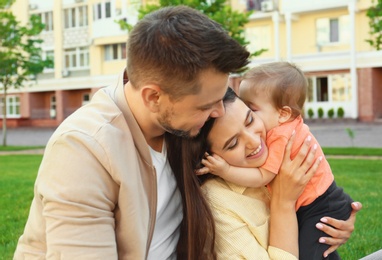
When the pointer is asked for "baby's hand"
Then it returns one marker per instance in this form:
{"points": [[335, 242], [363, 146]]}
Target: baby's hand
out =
{"points": [[215, 165]]}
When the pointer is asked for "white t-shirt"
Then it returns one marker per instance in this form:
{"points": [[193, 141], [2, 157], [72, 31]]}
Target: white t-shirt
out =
{"points": [[169, 210]]}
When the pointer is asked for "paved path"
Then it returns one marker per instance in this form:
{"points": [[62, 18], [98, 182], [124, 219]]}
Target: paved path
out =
{"points": [[328, 134], [331, 134]]}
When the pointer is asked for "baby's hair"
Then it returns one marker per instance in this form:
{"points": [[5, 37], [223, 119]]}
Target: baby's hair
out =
{"points": [[285, 83]]}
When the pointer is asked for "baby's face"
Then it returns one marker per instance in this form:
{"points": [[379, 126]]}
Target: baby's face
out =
{"points": [[239, 136], [260, 102]]}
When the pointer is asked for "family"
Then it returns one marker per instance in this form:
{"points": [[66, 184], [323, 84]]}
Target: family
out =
{"points": [[169, 163]]}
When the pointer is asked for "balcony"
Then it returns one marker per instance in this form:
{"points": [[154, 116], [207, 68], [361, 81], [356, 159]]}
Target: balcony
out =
{"points": [[299, 6]]}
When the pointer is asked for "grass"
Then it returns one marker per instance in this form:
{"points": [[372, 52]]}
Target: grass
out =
{"points": [[19, 148], [360, 178], [17, 176], [362, 151]]}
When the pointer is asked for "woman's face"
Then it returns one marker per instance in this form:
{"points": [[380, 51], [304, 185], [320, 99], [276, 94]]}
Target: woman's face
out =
{"points": [[239, 136]]}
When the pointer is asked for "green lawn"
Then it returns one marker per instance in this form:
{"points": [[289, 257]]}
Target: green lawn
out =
{"points": [[360, 178], [18, 173], [19, 148]]}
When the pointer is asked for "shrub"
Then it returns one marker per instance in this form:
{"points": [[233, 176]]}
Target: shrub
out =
{"points": [[320, 112], [331, 113], [310, 113], [340, 112]]}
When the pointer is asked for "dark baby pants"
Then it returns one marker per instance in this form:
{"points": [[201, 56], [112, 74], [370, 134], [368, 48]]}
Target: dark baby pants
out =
{"points": [[333, 203]]}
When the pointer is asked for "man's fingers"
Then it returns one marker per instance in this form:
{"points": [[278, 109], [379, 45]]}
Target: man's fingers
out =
{"points": [[330, 250]]}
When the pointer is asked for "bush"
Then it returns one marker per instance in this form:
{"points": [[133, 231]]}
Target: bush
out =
{"points": [[331, 113], [320, 112], [310, 113], [340, 112]]}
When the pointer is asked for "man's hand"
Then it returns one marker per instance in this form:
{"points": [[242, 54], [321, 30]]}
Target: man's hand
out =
{"points": [[339, 230]]}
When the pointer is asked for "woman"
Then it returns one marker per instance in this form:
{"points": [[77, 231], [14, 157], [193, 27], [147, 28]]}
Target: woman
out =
{"points": [[244, 217]]}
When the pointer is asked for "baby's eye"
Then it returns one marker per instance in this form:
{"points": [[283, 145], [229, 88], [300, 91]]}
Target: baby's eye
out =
{"points": [[253, 108]]}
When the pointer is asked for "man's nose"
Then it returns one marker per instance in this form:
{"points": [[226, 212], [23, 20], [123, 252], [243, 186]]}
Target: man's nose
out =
{"points": [[218, 110]]}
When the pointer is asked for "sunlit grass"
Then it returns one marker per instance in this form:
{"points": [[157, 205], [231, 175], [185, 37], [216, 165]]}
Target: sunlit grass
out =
{"points": [[360, 178]]}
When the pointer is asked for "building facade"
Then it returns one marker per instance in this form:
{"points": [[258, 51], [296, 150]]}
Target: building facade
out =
{"points": [[325, 38]]}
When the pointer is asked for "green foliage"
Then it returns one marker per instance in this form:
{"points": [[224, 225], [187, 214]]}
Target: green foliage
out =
{"points": [[6, 3], [310, 113], [20, 54], [320, 112], [20, 51], [331, 113], [234, 22], [340, 112], [375, 22]]}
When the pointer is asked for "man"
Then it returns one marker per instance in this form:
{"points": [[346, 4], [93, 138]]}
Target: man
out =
{"points": [[105, 189]]}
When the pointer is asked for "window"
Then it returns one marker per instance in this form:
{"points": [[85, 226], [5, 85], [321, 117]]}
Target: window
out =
{"points": [[341, 87], [333, 30], [115, 51], [107, 10], [85, 99], [77, 57], [53, 110], [13, 106], [310, 92], [254, 5], [49, 55], [332, 88], [322, 89], [47, 19], [102, 10], [76, 17], [259, 37]]}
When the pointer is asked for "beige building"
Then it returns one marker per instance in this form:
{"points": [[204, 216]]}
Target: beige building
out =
{"points": [[325, 38]]}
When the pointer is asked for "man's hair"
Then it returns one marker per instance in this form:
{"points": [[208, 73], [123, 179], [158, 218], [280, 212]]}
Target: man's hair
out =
{"points": [[171, 46], [284, 82]]}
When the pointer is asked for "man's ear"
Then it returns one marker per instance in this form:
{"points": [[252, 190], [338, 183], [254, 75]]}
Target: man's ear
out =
{"points": [[285, 114], [150, 96]]}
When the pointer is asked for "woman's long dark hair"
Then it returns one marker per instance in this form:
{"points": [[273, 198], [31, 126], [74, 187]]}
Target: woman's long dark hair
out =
{"points": [[197, 232]]}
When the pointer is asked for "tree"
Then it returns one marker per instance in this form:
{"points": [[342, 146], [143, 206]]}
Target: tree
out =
{"points": [[217, 10], [20, 55], [375, 15], [5, 3]]}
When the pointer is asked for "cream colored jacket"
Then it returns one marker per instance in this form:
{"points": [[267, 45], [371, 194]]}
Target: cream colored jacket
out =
{"points": [[95, 193]]}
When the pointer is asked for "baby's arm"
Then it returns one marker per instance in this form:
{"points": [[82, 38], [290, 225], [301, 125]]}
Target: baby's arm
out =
{"points": [[248, 177]]}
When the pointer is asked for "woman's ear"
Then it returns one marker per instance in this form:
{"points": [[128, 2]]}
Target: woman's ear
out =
{"points": [[150, 96], [285, 114]]}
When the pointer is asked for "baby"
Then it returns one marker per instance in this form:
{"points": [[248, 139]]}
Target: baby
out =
{"points": [[277, 92]]}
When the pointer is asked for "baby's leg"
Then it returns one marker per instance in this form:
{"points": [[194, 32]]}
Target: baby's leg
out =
{"points": [[333, 203]]}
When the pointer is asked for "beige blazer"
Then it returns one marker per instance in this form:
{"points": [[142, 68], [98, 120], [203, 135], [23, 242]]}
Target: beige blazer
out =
{"points": [[95, 193]]}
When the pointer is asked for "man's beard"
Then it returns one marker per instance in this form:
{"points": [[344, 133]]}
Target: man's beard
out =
{"points": [[181, 133], [164, 121]]}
